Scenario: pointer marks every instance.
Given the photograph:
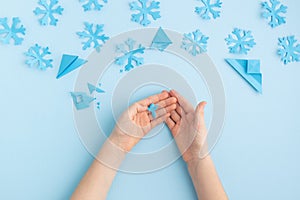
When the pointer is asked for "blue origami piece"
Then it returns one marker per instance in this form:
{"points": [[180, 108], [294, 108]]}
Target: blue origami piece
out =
{"points": [[92, 4], [274, 12], [249, 70], [129, 55], [93, 88], [152, 109], [208, 9], [81, 100], [144, 10], [288, 50], [13, 32], [241, 39], [68, 64], [36, 57], [195, 42], [161, 41], [93, 35], [48, 11]]}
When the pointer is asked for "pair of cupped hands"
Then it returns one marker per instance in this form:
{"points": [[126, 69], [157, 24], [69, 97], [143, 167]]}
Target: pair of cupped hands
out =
{"points": [[186, 124]]}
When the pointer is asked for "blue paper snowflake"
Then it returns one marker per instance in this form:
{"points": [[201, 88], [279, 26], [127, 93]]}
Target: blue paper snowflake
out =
{"points": [[208, 9], [241, 40], [36, 57], [288, 50], [13, 32], [129, 55], [93, 36], [144, 10], [48, 11], [274, 12], [195, 42], [92, 4]]}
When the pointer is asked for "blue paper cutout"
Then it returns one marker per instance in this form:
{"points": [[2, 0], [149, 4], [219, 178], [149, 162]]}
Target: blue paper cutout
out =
{"points": [[98, 105], [195, 42], [249, 70], [152, 109], [93, 35], [129, 55], [208, 9], [68, 64], [288, 50], [48, 11], [81, 100], [36, 57], [13, 32], [93, 88], [273, 12], [161, 41], [144, 10], [92, 3], [241, 40]]}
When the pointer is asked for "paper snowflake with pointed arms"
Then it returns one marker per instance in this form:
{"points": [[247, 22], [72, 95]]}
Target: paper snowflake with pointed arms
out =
{"points": [[195, 42], [208, 9], [11, 32], [273, 12], [288, 50], [242, 41], [48, 11], [36, 57], [92, 4]]}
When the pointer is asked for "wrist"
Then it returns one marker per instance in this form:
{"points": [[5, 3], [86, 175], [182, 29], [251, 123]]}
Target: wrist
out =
{"points": [[195, 162]]}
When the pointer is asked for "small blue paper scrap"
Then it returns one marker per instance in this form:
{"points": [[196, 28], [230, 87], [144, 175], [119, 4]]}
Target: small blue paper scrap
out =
{"points": [[36, 57], [13, 32], [48, 11], [93, 88], [81, 100], [68, 64], [208, 9], [161, 41], [89, 4], [288, 50], [195, 43], [241, 39], [249, 70], [152, 109], [274, 12]]}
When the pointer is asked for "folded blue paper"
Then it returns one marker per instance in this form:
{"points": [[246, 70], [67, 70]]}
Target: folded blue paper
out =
{"points": [[81, 100], [68, 64], [93, 88], [152, 109], [161, 41]]}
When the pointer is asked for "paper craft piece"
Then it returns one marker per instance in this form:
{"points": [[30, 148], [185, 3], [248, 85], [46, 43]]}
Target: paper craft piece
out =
{"points": [[81, 100], [152, 109], [93, 88], [273, 11], [208, 9], [8, 33], [161, 41], [68, 64], [48, 10], [36, 57], [89, 4], [98, 105], [93, 36], [195, 43], [241, 39], [288, 50], [249, 70], [129, 55], [144, 9]]}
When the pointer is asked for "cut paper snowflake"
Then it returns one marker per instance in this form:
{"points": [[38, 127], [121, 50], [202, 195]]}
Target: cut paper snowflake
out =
{"points": [[241, 40], [273, 11], [288, 50], [129, 55], [36, 57], [48, 11], [93, 36], [144, 10], [13, 32], [92, 4], [195, 42], [208, 9]]}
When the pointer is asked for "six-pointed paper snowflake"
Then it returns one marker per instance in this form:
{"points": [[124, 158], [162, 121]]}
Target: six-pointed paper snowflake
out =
{"points": [[242, 41], [93, 36], [208, 9], [13, 32], [36, 57], [194, 42], [144, 8], [288, 50], [48, 11], [129, 55], [92, 4], [274, 12]]}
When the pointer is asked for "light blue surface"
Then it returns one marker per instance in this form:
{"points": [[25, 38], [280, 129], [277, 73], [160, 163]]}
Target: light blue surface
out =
{"points": [[257, 156]]}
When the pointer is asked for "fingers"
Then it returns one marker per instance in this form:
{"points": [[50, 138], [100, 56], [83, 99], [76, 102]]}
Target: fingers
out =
{"points": [[186, 106], [199, 118], [163, 111], [170, 123], [166, 102], [159, 120], [175, 116], [154, 99]]}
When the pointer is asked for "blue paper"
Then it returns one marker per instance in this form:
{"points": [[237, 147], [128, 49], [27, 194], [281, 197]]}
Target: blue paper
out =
{"points": [[37, 57], [195, 43], [93, 88], [289, 49], [249, 70], [274, 11], [48, 10], [11, 32], [161, 41], [241, 41], [68, 64], [208, 9], [152, 109], [81, 100]]}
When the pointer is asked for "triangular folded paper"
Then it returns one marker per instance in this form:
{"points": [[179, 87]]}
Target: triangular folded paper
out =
{"points": [[68, 64], [249, 70], [161, 41], [93, 88], [81, 100]]}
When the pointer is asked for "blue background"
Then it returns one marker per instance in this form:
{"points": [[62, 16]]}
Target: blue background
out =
{"points": [[257, 156]]}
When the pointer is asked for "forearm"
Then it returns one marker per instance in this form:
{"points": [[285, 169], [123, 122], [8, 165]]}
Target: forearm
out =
{"points": [[205, 179]]}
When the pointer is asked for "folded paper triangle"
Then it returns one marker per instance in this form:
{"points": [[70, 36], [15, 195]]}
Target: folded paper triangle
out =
{"points": [[68, 64], [93, 88], [161, 41], [81, 100]]}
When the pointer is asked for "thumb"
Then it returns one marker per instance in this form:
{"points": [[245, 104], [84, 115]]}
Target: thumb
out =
{"points": [[199, 115]]}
